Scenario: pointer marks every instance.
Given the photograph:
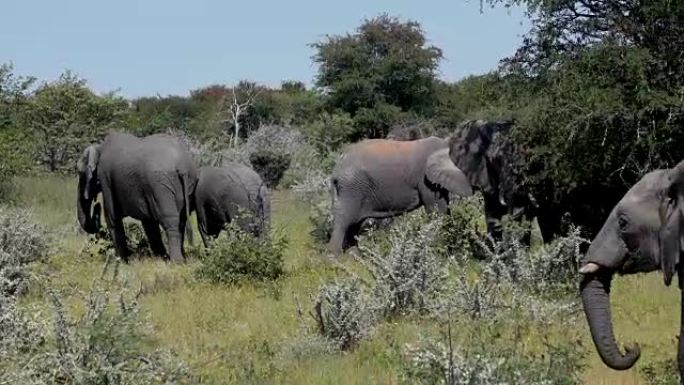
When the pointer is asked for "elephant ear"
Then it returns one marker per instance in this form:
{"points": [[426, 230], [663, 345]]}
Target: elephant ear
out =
{"points": [[441, 171], [672, 211]]}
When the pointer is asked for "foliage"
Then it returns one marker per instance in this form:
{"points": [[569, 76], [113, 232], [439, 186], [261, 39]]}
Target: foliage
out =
{"points": [[384, 67], [105, 345], [344, 313], [14, 146], [101, 246], [65, 116], [270, 166], [661, 373], [321, 218], [407, 271], [236, 257], [461, 227], [486, 362], [22, 242]]}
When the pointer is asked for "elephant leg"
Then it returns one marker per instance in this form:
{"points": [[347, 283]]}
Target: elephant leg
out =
{"points": [[116, 227], [174, 235], [153, 234], [118, 234]]}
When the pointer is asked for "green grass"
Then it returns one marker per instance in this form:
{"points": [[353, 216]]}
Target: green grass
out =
{"points": [[241, 334]]}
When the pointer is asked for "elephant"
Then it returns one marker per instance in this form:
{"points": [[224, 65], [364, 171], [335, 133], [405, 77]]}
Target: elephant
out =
{"points": [[380, 178], [222, 193], [150, 179], [643, 233], [485, 154]]}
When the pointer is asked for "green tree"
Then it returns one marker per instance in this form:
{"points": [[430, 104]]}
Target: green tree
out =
{"points": [[386, 64], [64, 116], [596, 91]]}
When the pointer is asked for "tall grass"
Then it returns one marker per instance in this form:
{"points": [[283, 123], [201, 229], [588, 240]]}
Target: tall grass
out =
{"points": [[254, 333]]}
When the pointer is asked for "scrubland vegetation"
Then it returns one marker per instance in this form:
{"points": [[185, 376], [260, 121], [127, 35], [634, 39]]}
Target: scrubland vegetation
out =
{"points": [[596, 95]]}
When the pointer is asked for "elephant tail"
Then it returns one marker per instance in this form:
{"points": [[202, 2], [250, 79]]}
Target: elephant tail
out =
{"points": [[264, 208], [187, 203]]}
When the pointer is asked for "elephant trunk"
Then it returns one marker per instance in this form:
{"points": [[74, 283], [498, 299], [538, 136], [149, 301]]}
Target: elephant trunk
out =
{"points": [[90, 222], [595, 289]]}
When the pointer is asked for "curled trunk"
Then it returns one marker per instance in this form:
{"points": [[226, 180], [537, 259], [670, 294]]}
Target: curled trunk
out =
{"points": [[596, 300]]}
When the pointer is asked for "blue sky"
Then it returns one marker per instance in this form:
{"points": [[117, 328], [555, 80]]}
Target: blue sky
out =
{"points": [[149, 47]]}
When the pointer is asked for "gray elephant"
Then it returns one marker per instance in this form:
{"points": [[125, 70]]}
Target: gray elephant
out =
{"points": [[380, 178], [643, 233], [150, 179], [233, 192]]}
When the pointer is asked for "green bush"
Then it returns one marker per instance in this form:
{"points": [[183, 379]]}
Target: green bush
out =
{"points": [[236, 256], [321, 218], [270, 166], [461, 227]]}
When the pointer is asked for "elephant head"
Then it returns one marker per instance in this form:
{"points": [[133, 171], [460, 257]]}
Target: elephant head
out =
{"points": [[88, 188], [473, 149], [643, 233]]}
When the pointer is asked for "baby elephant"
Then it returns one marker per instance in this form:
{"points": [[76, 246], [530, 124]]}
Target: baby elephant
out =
{"points": [[233, 192]]}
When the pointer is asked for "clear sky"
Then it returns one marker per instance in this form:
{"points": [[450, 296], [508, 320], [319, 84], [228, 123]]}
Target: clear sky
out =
{"points": [[148, 47]]}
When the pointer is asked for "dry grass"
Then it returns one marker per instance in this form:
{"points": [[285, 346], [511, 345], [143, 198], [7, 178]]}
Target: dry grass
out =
{"points": [[240, 334]]}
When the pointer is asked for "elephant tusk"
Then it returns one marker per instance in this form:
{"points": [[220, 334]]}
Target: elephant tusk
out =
{"points": [[589, 268]]}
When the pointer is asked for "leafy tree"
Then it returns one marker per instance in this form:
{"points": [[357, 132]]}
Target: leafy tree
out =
{"points": [[385, 64], [151, 115], [596, 92], [14, 92], [65, 115]]}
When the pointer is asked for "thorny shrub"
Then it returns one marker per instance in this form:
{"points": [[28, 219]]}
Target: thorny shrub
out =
{"points": [[237, 256], [547, 270], [108, 344], [22, 242], [407, 271], [485, 362], [344, 313]]}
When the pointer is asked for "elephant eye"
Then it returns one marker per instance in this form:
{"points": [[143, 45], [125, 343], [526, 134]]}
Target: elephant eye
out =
{"points": [[623, 223]]}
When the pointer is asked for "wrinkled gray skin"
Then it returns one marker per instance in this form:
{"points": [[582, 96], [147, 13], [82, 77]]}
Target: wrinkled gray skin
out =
{"points": [[643, 233], [150, 179], [233, 192], [381, 178]]}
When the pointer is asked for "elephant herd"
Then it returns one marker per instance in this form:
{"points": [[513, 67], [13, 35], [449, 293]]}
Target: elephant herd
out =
{"points": [[154, 180]]}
